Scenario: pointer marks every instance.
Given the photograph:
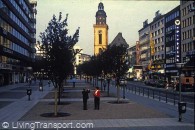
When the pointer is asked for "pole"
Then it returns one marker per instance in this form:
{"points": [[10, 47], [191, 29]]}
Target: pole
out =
{"points": [[123, 91], [180, 116], [108, 87]]}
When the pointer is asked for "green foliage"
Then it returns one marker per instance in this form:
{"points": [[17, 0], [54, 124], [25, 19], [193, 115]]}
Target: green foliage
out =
{"points": [[112, 61], [58, 47]]}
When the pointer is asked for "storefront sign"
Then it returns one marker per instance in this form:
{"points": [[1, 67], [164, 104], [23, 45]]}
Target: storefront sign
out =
{"points": [[5, 66], [177, 41]]}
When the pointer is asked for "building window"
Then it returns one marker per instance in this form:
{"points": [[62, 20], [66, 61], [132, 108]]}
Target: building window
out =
{"points": [[155, 32], [100, 37], [158, 23], [159, 32], [100, 50], [158, 40], [162, 47], [162, 21], [193, 20]]}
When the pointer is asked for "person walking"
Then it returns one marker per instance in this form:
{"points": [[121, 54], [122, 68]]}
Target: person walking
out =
{"points": [[97, 98], [104, 84], [73, 81], [85, 98]]}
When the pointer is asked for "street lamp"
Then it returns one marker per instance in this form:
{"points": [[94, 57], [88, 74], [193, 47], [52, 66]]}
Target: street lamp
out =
{"points": [[181, 105], [41, 81], [108, 88]]}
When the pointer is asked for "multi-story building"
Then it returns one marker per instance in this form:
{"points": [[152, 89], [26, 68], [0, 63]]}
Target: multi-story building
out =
{"points": [[132, 60], [187, 29], [17, 39], [172, 42], [144, 46], [132, 55], [84, 58], [188, 38], [77, 61], [79, 58], [157, 37]]}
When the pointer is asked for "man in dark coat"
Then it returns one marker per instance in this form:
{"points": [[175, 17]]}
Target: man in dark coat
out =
{"points": [[85, 98]]}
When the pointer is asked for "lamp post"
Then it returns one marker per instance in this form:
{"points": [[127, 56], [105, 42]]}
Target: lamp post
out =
{"points": [[41, 81], [108, 88], [180, 107]]}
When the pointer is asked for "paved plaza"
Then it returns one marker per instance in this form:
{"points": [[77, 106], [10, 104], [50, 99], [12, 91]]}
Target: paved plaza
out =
{"points": [[135, 112]]}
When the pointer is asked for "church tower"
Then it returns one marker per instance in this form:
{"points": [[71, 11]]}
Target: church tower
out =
{"points": [[100, 30]]}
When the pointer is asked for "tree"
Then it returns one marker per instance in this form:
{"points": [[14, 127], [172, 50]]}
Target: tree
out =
{"points": [[119, 63], [112, 61], [59, 53]]}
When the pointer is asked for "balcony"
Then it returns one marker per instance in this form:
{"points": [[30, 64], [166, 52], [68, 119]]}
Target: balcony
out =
{"points": [[33, 20]]}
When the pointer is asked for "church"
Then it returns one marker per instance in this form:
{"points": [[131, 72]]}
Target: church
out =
{"points": [[100, 30]]}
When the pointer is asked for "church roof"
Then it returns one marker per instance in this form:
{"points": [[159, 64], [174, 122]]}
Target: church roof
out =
{"points": [[118, 41], [101, 11]]}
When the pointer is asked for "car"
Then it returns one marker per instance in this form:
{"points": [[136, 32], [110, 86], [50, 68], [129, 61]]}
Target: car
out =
{"points": [[152, 82], [161, 83], [146, 82]]}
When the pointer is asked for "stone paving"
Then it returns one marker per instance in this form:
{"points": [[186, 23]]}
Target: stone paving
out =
{"points": [[131, 115]]}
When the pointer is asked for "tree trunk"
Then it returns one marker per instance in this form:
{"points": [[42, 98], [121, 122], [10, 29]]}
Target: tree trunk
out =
{"points": [[55, 100], [118, 93], [108, 87], [118, 90], [59, 92]]}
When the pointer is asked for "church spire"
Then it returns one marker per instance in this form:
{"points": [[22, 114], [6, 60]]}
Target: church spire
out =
{"points": [[100, 15]]}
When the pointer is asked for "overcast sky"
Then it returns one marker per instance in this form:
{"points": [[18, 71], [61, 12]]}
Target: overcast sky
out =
{"points": [[124, 16]]}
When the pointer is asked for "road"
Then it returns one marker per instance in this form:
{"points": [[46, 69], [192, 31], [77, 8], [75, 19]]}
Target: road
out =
{"points": [[161, 94]]}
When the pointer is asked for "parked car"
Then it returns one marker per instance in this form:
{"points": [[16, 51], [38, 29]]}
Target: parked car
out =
{"points": [[151, 82], [161, 83], [146, 82]]}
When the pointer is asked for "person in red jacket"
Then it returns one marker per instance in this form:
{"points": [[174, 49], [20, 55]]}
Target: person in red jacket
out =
{"points": [[97, 98]]}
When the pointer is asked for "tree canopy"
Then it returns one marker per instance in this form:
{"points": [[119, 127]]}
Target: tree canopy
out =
{"points": [[58, 47]]}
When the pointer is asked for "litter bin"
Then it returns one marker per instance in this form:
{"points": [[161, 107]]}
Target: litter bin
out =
{"points": [[29, 92], [182, 107]]}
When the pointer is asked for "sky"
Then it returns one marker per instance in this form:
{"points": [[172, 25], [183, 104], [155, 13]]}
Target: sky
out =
{"points": [[125, 16]]}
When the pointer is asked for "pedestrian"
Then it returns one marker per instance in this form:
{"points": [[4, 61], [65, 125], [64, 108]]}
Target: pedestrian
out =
{"points": [[97, 98], [85, 98], [49, 82], [73, 81], [104, 84]]}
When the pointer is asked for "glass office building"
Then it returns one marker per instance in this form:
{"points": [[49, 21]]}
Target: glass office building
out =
{"points": [[17, 40]]}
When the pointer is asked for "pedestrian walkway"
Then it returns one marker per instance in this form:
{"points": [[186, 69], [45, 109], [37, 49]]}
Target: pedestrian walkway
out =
{"points": [[138, 113], [14, 111]]}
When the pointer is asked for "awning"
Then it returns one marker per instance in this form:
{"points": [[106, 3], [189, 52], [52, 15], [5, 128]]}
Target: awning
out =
{"points": [[162, 71]]}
